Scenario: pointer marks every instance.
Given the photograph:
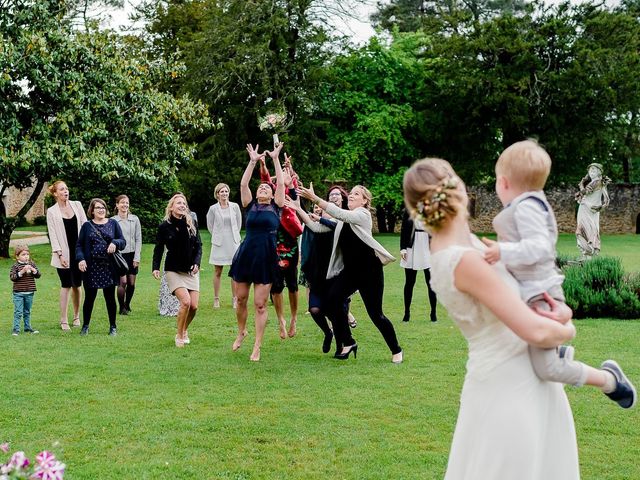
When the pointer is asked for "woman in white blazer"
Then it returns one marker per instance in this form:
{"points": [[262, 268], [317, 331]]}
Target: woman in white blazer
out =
{"points": [[64, 220], [224, 221], [355, 265]]}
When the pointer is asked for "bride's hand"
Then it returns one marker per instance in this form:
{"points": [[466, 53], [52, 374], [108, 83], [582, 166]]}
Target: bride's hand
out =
{"points": [[560, 312]]}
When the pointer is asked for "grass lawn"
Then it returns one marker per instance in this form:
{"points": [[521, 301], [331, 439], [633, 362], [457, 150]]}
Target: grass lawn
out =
{"points": [[134, 406]]}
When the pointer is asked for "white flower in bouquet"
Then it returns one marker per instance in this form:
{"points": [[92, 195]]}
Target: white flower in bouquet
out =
{"points": [[275, 122]]}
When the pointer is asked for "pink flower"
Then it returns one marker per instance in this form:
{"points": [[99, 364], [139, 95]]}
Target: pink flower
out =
{"points": [[4, 447], [54, 470], [45, 459], [19, 460]]}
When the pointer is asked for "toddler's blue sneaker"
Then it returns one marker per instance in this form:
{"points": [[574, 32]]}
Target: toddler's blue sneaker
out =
{"points": [[625, 393]]}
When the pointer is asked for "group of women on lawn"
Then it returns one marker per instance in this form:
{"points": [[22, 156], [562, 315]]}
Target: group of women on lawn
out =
{"points": [[493, 437], [81, 253]]}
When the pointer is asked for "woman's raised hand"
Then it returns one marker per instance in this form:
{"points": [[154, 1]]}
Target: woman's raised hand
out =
{"points": [[305, 192], [292, 204], [275, 153], [254, 156]]}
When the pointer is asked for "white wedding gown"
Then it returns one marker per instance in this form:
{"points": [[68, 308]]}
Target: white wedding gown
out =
{"points": [[511, 424]]}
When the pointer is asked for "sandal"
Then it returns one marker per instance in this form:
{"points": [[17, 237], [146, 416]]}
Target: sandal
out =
{"points": [[76, 321], [65, 326]]}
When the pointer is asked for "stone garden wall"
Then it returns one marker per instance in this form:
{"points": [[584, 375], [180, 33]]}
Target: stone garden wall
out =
{"points": [[622, 215], [14, 199]]}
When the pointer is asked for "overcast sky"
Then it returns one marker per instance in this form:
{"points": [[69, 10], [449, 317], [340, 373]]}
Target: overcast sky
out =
{"points": [[359, 30]]}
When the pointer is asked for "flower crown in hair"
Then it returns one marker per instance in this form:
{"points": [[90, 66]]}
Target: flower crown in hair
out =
{"points": [[432, 209]]}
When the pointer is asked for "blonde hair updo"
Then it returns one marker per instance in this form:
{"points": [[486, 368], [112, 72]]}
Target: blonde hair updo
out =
{"points": [[431, 192]]}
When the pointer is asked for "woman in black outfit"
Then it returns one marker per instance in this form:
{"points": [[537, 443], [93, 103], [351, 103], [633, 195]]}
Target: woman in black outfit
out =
{"points": [[355, 265], [315, 263], [179, 234], [99, 238], [415, 256]]}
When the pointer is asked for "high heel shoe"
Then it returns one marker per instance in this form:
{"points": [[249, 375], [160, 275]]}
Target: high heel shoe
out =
{"points": [[344, 355]]}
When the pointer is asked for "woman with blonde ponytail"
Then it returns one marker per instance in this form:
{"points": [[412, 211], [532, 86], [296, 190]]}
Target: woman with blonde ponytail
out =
{"points": [[510, 424]]}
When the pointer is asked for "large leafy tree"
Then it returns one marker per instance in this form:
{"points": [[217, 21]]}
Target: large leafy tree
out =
{"points": [[75, 104], [245, 58], [373, 123], [564, 74]]}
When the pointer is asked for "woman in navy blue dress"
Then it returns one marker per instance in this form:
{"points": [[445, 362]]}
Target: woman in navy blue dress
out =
{"points": [[256, 261], [98, 239]]}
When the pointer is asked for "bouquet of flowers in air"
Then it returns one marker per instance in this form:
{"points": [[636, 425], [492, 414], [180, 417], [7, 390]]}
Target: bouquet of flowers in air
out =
{"points": [[275, 122], [46, 467]]}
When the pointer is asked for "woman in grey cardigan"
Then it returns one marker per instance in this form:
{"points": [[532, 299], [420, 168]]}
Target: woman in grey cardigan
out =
{"points": [[223, 222], [355, 265], [132, 232]]}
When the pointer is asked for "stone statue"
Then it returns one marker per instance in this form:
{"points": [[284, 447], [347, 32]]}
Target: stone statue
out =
{"points": [[592, 197]]}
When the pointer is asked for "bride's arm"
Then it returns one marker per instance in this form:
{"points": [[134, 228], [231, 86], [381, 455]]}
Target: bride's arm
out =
{"points": [[477, 278]]}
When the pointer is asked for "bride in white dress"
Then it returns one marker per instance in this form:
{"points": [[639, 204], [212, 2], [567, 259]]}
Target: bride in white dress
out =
{"points": [[511, 424]]}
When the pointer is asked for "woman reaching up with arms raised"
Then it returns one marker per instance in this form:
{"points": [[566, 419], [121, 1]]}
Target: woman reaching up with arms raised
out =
{"points": [[256, 260]]}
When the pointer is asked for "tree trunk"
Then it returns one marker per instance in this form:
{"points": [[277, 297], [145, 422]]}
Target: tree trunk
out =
{"points": [[381, 217], [8, 225]]}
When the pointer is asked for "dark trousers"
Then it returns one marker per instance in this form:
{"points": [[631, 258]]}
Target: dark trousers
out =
{"points": [[369, 281], [90, 298], [409, 283]]}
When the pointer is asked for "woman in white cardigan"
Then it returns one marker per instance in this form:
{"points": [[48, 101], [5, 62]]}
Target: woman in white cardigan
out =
{"points": [[223, 222], [64, 220], [355, 265]]}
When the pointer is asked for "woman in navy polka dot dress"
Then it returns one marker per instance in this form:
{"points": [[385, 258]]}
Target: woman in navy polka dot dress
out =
{"points": [[99, 238]]}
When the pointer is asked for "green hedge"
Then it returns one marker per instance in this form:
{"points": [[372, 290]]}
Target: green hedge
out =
{"points": [[600, 288]]}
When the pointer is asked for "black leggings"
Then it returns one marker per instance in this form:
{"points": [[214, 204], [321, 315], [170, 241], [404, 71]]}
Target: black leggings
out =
{"points": [[90, 298], [409, 282], [369, 281]]}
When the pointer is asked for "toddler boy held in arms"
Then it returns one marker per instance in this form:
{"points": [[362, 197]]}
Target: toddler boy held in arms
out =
{"points": [[527, 237]]}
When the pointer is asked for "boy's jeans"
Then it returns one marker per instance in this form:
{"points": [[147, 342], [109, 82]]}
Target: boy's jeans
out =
{"points": [[22, 302]]}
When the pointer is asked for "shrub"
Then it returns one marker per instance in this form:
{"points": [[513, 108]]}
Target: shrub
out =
{"points": [[40, 220], [600, 288]]}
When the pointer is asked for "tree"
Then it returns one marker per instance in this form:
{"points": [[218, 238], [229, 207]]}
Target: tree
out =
{"points": [[84, 13], [75, 104], [373, 125], [437, 16], [244, 58]]}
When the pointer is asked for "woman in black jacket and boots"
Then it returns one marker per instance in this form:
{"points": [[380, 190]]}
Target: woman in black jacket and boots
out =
{"points": [[415, 256], [179, 234]]}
